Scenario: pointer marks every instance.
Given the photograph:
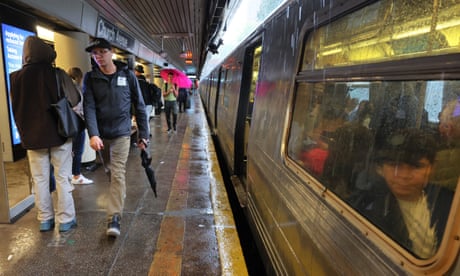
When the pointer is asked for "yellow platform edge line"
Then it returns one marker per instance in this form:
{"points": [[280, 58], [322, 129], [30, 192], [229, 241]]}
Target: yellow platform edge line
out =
{"points": [[231, 255]]}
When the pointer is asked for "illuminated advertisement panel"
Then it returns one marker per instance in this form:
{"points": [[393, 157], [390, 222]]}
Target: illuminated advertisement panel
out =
{"points": [[12, 41]]}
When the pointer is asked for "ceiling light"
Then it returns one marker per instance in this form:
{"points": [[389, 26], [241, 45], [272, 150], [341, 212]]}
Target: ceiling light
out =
{"points": [[183, 54], [162, 53]]}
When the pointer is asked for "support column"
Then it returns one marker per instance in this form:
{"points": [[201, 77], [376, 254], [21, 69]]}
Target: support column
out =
{"points": [[70, 49]]}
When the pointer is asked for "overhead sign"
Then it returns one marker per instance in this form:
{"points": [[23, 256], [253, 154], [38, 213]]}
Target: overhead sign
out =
{"points": [[114, 35]]}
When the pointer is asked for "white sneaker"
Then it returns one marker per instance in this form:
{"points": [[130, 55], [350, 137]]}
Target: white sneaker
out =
{"points": [[81, 180]]}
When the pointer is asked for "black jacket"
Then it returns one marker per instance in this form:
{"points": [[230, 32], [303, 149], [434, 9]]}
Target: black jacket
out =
{"points": [[108, 100], [381, 207], [146, 91]]}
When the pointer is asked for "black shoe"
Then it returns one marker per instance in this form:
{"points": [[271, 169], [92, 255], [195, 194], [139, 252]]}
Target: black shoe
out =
{"points": [[113, 228]]}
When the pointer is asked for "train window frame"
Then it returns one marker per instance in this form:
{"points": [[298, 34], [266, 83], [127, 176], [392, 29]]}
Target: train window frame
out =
{"points": [[409, 68]]}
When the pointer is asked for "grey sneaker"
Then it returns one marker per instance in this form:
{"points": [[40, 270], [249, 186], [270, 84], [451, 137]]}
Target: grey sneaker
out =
{"points": [[113, 227]]}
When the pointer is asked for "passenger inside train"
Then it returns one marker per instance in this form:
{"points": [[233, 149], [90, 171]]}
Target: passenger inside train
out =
{"points": [[351, 156], [316, 143], [447, 165], [400, 199]]}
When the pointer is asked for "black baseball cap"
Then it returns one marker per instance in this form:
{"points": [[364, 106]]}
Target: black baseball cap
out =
{"points": [[139, 68], [98, 43]]}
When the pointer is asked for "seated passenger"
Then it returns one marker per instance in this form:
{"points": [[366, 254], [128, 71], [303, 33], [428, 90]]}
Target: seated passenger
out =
{"points": [[314, 155], [398, 113], [348, 151], [362, 114], [447, 164], [315, 146], [400, 201]]}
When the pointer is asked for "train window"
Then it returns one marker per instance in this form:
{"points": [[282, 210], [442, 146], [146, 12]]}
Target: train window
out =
{"points": [[386, 30], [386, 149]]}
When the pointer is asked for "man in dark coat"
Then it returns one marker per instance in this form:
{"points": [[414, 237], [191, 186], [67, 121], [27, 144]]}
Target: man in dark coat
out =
{"points": [[111, 89], [33, 90], [182, 99], [146, 92]]}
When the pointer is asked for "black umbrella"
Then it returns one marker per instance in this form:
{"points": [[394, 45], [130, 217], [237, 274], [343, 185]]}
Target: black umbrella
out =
{"points": [[106, 169], [146, 160]]}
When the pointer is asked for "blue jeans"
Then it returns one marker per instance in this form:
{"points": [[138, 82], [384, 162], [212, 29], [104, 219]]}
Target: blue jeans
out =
{"points": [[77, 150]]}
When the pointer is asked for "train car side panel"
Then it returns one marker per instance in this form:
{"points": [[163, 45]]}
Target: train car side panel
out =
{"points": [[317, 56]]}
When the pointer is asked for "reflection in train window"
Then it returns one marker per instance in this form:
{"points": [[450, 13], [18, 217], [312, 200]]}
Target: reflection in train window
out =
{"points": [[386, 30], [386, 149]]}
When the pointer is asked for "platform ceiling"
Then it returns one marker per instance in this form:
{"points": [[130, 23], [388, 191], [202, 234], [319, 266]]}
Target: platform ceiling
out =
{"points": [[189, 25], [182, 24]]}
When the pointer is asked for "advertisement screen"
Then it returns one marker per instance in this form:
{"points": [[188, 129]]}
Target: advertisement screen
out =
{"points": [[13, 39]]}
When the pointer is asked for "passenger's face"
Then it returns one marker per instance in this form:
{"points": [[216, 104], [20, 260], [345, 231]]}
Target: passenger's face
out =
{"points": [[102, 56], [406, 181]]}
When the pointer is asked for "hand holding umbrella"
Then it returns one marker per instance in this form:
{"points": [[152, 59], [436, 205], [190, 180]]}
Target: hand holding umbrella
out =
{"points": [[106, 169]]}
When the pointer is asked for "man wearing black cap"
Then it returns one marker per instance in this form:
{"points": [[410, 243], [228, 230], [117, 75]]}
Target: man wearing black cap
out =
{"points": [[146, 92], [110, 91]]}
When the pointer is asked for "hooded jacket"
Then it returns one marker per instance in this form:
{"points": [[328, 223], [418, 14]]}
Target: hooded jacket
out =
{"points": [[33, 89]]}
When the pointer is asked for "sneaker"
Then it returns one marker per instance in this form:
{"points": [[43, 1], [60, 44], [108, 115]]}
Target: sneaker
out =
{"points": [[47, 225], [113, 227], [81, 180], [64, 227]]}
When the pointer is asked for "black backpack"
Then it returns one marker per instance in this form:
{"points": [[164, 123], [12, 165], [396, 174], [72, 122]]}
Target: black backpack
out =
{"points": [[155, 92], [145, 89]]}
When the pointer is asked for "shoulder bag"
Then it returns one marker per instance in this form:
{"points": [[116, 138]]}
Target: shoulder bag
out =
{"points": [[69, 123]]}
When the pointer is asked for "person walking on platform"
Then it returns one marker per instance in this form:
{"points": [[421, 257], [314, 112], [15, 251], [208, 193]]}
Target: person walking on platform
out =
{"points": [[182, 99], [33, 90], [170, 95], [110, 91], [147, 94], [78, 142]]}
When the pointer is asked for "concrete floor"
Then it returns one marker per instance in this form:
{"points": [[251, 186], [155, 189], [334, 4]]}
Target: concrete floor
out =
{"points": [[187, 230]]}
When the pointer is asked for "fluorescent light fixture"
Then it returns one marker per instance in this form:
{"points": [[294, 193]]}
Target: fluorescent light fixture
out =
{"points": [[45, 33]]}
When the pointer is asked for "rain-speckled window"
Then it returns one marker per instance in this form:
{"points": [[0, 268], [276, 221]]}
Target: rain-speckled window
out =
{"points": [[387, 145], [386, 30]]}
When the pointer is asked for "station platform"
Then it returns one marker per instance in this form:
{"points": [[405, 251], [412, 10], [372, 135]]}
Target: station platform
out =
{"points": [[187, 230]]}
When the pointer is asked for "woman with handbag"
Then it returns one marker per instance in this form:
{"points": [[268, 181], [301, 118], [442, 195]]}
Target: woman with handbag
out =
{"points": [[33, 90], [79, 140]]}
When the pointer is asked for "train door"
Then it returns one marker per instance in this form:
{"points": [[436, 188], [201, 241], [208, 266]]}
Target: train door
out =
{"points": [[250, 78], [220, 82]]}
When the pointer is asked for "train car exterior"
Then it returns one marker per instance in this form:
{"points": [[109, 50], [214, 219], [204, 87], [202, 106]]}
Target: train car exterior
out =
{"points": [[338, 122]]}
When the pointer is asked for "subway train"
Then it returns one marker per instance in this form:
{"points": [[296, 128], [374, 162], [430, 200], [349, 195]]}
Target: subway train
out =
{"points": [[337, 121]]}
